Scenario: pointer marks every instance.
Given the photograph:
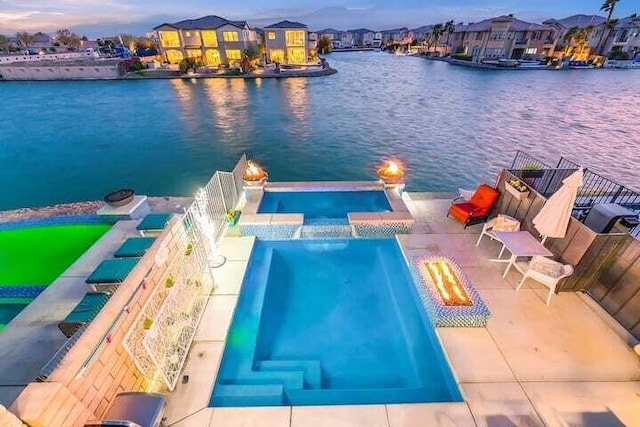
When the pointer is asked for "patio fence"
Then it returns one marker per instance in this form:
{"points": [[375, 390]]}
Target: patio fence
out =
{"points": [[596, 189]]}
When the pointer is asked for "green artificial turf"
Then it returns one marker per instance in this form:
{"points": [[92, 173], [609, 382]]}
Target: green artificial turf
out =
{"points": [[37, 256]]}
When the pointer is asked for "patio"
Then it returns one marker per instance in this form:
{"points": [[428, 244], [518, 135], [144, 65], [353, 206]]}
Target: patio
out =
{"points": [[566, 364]]}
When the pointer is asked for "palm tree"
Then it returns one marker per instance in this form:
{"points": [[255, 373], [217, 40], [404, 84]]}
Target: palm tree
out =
{"points": [[578, 41], [607, 6], [437, 31], [25, 39], [449, 28]]}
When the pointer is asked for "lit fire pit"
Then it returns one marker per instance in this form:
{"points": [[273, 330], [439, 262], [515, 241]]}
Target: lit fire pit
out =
{"points": [[446, 281], [254, 174], [447, 294], [390, 172]]}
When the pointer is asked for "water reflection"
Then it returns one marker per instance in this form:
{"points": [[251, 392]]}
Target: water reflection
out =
{"points": [[229, 99]]}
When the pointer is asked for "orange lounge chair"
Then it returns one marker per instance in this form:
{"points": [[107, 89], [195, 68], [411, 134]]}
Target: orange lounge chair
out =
{"points": [[476, 210]]}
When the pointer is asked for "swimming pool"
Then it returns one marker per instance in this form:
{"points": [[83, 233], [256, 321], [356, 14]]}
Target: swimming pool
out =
{"points": [[38, 255], [324, 322], [32, 258], [324, 206]]}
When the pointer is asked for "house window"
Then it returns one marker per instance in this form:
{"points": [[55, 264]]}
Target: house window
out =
{"points": [[233, 54], [276, 55], [212, 57], [187, 33], [174, 56], [194, 53], [271, 35], [478, 36], [295, 38], [296, 55], [531, 51], [209, 39], [169, 38], [230, 36]]}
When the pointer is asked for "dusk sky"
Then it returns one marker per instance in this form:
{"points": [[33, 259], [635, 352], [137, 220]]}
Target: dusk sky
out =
{"points": [[48, 15]]}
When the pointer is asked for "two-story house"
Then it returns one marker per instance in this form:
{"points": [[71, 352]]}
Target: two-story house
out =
{"points": [[503, 37], [377, 40], [287, 42], [624, 37], [562, 27], [362, 37], [211, 39]]}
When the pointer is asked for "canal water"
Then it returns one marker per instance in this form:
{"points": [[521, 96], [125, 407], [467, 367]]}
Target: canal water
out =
{"points": [[452, 127]]}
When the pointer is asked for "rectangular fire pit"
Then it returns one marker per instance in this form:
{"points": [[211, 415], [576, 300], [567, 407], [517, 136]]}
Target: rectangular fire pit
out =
{"points": [[447, 293]]}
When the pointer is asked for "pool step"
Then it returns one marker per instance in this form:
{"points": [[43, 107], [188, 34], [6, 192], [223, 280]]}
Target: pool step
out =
{"points": [[311, 368], [248, 395], [325, 232], [288, 379]]}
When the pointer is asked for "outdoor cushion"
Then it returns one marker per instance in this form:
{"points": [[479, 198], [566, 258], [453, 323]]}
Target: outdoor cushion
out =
{"points": [[112, 270], [477, 208], [154, 221], [84, 312], [547, 267], [505, 223], [134, 247], [484, 197]]}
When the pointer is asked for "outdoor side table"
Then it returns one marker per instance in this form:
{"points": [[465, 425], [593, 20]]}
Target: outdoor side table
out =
{"points": [[520, 244]]}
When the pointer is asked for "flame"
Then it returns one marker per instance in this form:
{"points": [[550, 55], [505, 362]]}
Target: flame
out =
{"points": [[391, 171], [253, 172], [447, 283]]}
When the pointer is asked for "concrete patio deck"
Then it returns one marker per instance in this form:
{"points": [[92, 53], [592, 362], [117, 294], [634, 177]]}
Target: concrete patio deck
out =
{"points": [[533, 365]]}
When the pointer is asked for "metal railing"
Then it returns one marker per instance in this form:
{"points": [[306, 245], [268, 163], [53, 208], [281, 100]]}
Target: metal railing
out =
{"points": [[596, 189]]}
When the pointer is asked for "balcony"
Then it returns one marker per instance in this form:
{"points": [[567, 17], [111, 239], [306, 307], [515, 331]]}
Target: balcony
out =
{"points": [[521, 42]]}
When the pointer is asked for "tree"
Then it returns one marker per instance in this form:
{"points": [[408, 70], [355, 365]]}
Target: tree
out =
{"points": [[578, 41], [607, 6], [25, 39], [449, 28], [69, 39], [5, 44], [249, 58], [437, 31], [324, 45]]}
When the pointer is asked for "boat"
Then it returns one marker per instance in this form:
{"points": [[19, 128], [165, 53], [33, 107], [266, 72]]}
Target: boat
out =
{"points": [[532, 65], [624, 65], [581, 65], [508, 63]]}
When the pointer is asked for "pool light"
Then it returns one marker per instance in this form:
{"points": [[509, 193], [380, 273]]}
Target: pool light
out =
{"points": [[254, 174], [390, 172]]}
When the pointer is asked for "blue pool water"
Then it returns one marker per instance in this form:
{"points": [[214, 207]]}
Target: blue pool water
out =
{"points": [[325, 322], [318, 206]]}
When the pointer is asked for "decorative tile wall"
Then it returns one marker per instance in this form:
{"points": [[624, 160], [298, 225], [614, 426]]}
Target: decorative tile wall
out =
{"points": [[21, 291]]}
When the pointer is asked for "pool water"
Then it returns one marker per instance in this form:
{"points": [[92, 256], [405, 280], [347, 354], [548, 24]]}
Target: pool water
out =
{"points": [[324, 322], [38, 255], [320, 206], [10, 308]]}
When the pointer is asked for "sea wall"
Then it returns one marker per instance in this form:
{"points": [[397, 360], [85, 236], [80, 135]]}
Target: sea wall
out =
{"points": [[8, 59], [42, 71]]}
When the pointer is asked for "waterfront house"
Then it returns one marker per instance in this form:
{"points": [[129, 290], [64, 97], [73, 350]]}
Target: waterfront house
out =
{"points": [[211, 39], [394, 35], [41, 41], [562, 27], [624, 39], [287, 42], [362, 37], [504, 37], [377, 40], [422, 32], [347, 39]]}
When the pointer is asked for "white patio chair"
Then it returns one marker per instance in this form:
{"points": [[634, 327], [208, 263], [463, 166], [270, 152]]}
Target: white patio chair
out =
{"points": [[499, 223], [548, 272]]}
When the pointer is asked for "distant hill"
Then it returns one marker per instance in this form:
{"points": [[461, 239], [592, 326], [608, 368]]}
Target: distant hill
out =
{"points": [[136, 28]]}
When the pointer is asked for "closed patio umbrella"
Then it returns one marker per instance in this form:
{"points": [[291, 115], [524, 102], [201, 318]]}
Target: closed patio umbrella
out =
{"points": [[553, 218]]}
